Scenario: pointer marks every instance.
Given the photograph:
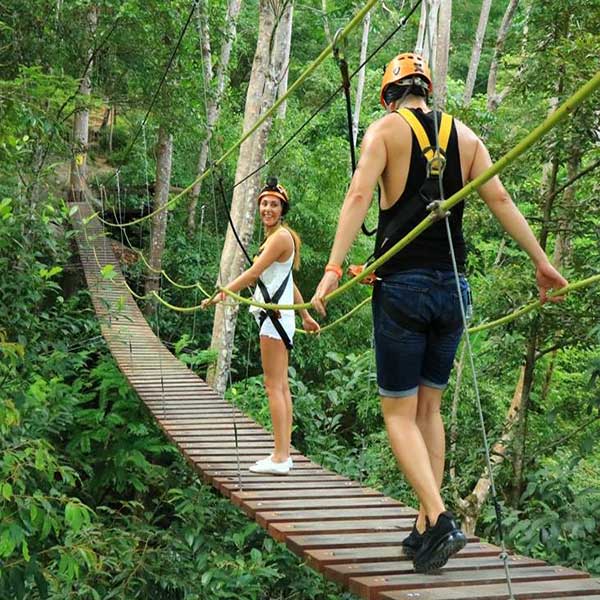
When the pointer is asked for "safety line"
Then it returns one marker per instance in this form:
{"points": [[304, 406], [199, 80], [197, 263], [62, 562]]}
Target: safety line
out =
{"points": [[307, 72]]}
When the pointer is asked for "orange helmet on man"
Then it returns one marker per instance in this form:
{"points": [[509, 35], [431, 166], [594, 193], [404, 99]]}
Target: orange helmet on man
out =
{"points": [[273, 188], [406, 69]]}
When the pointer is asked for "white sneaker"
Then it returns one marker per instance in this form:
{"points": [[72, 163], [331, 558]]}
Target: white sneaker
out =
{"points": [[269, 458], [266, 465]]}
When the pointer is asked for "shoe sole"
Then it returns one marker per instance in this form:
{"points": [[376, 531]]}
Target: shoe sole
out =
{"points": [[267, 472], [447, 547]]}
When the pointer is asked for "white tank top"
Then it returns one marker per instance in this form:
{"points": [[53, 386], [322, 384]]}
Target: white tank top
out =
{"points": [[273, 277]]}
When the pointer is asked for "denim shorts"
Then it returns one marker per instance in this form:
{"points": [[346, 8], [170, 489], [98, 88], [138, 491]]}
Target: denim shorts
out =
{"points": [[417, 324]]}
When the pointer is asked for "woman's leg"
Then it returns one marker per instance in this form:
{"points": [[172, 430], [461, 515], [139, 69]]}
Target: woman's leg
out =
{"points": [[274, 357]]}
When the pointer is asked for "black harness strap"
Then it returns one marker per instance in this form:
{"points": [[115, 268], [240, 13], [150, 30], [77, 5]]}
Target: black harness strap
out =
{"points": [[274, 315]]}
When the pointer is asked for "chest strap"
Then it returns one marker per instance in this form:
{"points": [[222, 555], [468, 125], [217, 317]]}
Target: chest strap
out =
{"points": [[274, 315]]}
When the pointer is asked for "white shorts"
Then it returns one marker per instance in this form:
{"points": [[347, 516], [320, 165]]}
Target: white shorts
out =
{"points": [[268, 329]]}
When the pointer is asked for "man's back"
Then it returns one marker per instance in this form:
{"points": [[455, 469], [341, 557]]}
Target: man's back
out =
{"points": [[396, 135]]}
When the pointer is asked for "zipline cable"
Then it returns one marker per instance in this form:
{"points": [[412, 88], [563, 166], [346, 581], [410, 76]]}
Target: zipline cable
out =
{"points": [[307, 72], [444, 214]]}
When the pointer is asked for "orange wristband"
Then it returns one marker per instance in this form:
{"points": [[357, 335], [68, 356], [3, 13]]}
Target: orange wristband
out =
{"points": [[334, 269]]}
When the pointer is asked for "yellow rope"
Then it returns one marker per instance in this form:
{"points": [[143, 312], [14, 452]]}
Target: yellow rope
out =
{"points": [[307, 72], [572, 287], [567, 107]]}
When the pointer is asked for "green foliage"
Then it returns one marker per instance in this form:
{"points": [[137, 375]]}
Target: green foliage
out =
{"points": [[94, 502]]}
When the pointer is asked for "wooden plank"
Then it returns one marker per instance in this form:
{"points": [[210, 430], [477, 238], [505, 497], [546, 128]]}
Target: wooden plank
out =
{"points": [[320, 558], [300, 543], [285, 494], [369, 587], [341, 573], [282, 530], [579, 588], [266, 517]]}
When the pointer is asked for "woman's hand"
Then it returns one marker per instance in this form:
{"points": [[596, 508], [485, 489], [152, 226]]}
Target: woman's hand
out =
{"points": [[208, 302], [310, 325]]}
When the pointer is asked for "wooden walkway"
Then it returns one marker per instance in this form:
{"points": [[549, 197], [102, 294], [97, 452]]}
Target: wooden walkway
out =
{"points": [[350, 533]]}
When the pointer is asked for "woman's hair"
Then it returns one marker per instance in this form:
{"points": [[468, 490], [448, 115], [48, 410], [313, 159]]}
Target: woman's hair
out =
{"points": [[297, 245]]}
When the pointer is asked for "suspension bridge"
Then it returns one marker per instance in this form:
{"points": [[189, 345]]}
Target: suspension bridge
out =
{"points": [[350, 533]]}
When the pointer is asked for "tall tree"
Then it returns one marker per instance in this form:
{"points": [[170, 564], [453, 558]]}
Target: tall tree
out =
{"points": [[360, 84], [428, 27], [78, 174], [267, 67], [215, 96], [164, 154], [441, 53], [492, 100], [284, 29], [476, 54]]}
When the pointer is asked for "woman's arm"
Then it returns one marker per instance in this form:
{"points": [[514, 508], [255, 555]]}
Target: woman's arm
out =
{"points": [[309, 323], [277, 247]]}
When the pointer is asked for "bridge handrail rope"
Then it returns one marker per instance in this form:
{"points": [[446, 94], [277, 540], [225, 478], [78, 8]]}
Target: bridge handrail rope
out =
{"points": [[301, 79], [534, 305], [551, 121]]}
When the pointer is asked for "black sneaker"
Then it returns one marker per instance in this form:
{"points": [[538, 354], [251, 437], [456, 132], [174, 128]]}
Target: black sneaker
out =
{"points": [[440, 542], [412, 542]]}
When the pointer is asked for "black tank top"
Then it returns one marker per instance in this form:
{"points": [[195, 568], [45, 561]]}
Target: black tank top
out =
{"points": [[430, 249]]}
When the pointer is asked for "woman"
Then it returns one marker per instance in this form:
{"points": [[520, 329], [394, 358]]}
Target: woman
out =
{"points": [[272, 269]]}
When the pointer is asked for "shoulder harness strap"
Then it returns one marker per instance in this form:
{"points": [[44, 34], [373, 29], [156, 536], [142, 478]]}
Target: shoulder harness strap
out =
{"points": [[436, 157]]}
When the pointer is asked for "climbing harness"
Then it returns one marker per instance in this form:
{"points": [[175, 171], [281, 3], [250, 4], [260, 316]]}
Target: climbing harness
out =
{"points": [[428, 197]]}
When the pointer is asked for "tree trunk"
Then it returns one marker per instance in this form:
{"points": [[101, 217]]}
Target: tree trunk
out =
{"points": [[269, 59], [360, 85], [428, 30], [215, 96], [492, 100], [326, 27], [284, 29], [476, 54], [470, 507], [159, 220], [78, 175], [441, 54]]}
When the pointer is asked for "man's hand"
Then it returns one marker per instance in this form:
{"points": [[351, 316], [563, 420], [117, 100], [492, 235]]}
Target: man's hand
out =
{"points": [[548, 278], [328, 283], [310, 325]]}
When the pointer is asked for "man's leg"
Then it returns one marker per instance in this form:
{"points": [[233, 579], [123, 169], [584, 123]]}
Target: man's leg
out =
{"points": [[430, 424], [411, 451]]}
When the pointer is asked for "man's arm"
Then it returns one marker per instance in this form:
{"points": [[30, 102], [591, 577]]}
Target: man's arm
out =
{"points": [[354, 209], [359, 196], [514, 223]]}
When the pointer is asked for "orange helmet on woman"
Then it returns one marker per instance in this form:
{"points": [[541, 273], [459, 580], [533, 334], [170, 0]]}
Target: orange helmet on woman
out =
{"points": [[408, 64], [273, 188]]}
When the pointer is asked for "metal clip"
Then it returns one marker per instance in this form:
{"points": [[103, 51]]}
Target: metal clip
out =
{"points": [[437, 212]]}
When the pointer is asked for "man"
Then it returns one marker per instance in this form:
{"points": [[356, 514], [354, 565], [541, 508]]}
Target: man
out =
{"points": [[416, 308]]}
